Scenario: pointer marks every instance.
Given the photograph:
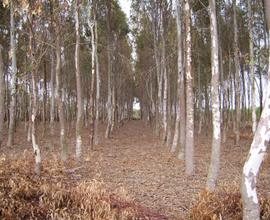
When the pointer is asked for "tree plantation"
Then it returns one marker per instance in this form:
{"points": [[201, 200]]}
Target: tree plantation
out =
{"points": [[134, 109]]}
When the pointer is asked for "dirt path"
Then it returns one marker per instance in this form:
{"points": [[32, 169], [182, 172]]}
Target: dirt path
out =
{"points": [[136, 162]]}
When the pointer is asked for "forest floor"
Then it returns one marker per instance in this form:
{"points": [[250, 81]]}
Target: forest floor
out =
{"points": [[134, 160]]}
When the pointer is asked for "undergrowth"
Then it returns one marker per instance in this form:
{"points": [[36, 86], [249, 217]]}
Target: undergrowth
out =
{"points": [[224, 204], [55, 195]]}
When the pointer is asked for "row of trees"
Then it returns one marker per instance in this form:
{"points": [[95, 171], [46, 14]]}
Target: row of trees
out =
{"points": [[222, 59], [62, 56]]}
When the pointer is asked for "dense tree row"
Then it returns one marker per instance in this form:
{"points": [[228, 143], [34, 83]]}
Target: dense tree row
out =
{"points": [[62, 56], [221, 52]]}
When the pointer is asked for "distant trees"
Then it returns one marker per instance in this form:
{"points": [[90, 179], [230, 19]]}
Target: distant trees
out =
{"points": [[223, 97], [93, 76], [53, 97]]}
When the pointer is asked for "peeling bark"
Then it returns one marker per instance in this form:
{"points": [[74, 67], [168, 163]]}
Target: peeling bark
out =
{"points": [[258, 148]]}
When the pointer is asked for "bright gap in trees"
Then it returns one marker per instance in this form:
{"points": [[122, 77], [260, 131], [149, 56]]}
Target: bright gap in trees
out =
{"points": [[136, 109]]}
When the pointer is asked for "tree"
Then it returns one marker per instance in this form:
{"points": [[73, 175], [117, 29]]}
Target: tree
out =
{"points": [[258, 148], [79, 122], [180, 78], [189, 145], [2, 95], [96, 129], [59, 82], [237, 75], [12, 103], [216, 139], [109, 58], [52, 82], [34, 101], [251, 66], [91, 24]]}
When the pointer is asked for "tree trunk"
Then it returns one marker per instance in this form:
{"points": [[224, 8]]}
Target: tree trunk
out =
{"points": [[34, 97], [237, 75], [2, 96], [251, 67], [93, 55], [58, 94], [216, 139], [12, 103], [189, 146], [44, 109], [79, 122], [109, 56], [258, 148], [52, 82], [251, 210], [179, 77], [96, 139]]}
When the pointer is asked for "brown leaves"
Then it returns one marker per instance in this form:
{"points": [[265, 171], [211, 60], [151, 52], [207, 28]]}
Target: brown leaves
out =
{"points": [[224, 204], [26, 196]]}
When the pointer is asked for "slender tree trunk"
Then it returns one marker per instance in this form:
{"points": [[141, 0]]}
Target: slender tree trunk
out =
{"points": [[237, 75], [216, 139], [34, 97], [79, 122], [97, 82], [251, 210], [2, 96], [189, 146], [251, 66], [258, 148], [44, 109], [179, 77], [109, 55], [58, 94], [12, 103], [93, 55], [52, 82]]}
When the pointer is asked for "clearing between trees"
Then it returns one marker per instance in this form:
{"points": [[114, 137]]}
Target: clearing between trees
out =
{"points": [[135, 165]]}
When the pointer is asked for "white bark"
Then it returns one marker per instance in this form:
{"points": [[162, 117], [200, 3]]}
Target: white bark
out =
{"points": [[34, 97], [216, 139], [52, 101], [79, 121], [109, 56], [189, 145], [251, 66], [258, 148], [180, 73], [97, 85], [91, 23], [237, 75], [252, 165], [165, 80]]}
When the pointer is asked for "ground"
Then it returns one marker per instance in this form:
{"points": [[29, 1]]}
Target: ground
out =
{"points": [[135, 160]]}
